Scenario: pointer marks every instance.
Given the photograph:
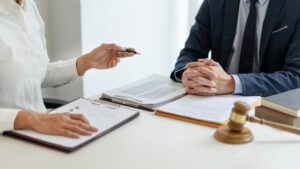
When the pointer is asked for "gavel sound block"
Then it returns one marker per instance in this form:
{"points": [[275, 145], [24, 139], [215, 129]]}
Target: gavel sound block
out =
{"points": [[234, 131]]}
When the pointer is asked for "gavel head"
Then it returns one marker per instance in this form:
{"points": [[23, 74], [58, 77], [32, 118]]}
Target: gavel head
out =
{"points": [[238, 117], [234, 131]]}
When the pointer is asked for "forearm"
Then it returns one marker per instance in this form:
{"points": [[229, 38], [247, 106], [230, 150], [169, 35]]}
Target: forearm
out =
{"points": [[185, 58], [266, 84], [198, 43], [25, 120]]}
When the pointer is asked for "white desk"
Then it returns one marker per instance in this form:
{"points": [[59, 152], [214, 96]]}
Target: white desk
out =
{"points": [[153, 142]]}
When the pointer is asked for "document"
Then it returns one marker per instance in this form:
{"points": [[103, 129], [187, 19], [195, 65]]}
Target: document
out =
{"points": [[105, 116], [150, 92], [213, 109]]}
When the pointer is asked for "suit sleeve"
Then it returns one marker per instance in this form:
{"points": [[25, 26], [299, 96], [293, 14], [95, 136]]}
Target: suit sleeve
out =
{"points": [[266, 84], [198, 43]]}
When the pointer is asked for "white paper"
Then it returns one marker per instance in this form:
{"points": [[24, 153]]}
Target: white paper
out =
{"points": [[102, 116], [215, 109]]}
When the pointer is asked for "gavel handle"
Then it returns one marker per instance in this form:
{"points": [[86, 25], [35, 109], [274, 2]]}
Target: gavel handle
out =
{"points": [[279, 126]]}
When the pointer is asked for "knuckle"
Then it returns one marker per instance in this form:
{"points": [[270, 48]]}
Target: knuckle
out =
{"points": [[81, 116], [186, 72], [209, 82], [190, 83], [65, 118], [80, 123], [66, 132], [77, 128], [212, 90], [199, 79]]}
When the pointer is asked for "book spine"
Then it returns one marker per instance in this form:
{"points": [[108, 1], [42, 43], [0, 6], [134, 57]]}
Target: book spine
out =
{"points": [[275, 116]]}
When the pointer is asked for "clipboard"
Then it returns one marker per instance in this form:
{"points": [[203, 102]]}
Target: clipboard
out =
{"points": [[69, 145]]}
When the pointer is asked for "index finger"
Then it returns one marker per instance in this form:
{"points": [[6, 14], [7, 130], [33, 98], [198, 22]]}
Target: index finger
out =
{"points": [[206, 71], [197, 65], [194, 64], [124, 54], [112, 47]]}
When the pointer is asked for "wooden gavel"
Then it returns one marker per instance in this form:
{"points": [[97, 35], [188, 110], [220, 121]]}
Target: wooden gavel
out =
{"points": [[234, 131]]}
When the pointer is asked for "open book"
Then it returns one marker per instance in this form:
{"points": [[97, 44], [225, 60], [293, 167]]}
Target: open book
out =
{"points": [[105, 116], [149, 93]]}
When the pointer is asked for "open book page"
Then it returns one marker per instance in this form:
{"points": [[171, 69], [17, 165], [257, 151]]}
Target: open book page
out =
{"points": [[102, 116], [214, 109], [154, 89]]}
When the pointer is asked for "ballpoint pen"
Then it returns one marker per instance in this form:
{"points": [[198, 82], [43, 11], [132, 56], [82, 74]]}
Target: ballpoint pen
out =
{"points": [[130, 50]]}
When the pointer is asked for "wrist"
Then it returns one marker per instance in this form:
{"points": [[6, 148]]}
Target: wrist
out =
{"points": [[25, 120], [82, 65], [227, 85], [230, 84]]}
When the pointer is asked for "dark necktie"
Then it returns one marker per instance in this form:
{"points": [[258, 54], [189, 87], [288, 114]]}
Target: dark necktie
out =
{"points": [[249, 41]]}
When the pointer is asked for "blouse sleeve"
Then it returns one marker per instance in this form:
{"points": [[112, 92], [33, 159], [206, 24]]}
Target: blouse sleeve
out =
{"points": [[7, 119], [60, 73]]}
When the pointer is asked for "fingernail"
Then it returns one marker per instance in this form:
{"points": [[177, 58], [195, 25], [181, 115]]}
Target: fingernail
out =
{"points": [[214, 90], [213, 84]]}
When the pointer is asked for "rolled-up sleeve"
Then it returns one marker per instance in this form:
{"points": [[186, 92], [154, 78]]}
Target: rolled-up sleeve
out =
{"points": [[7, 119], [60, 73]]}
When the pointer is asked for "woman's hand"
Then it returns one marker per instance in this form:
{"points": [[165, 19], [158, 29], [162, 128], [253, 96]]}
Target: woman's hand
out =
{"points": [[104, 57], [64, 124]]}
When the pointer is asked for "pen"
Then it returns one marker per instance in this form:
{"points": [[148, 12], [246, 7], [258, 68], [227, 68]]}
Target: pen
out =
{"points": [[130, 50]]}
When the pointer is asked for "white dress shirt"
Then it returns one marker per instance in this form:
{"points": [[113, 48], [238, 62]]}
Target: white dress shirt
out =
{"points": [[24, 63]]}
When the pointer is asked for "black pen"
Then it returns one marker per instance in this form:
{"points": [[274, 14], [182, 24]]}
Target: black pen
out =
{"points": [[130, 50]]}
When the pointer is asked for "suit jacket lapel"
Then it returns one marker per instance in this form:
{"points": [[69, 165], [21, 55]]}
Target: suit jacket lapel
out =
{"points": [[229, 29], [273, 13]]}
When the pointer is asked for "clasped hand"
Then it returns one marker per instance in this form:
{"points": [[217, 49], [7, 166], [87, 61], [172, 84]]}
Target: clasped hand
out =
{"points": [[206, 77]]}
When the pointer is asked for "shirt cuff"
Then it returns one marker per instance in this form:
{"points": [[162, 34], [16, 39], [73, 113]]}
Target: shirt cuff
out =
{"points": [[71, 68], [7, 119], [238, 85], [177, 72]]}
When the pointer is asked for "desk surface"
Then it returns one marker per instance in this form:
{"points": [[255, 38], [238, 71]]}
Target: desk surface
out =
{"points": [[153, 142]]}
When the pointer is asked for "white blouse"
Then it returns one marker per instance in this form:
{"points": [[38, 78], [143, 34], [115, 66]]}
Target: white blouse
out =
{"points": [[24, 63]]}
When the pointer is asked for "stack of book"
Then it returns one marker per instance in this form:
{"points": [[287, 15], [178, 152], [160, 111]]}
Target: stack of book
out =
{"points": [[282, 108]]}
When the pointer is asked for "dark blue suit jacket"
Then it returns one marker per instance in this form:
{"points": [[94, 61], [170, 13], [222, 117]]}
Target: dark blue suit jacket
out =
{"points": [[215, 30]]}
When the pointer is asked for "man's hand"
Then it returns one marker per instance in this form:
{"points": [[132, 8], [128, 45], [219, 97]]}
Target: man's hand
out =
{"points": [[104, 57], [207, 77], [64, 124], [198, 79]]}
